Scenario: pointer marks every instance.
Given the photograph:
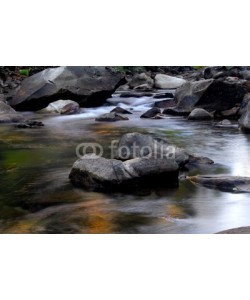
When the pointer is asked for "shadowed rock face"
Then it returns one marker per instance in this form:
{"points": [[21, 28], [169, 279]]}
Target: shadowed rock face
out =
{"points": [[89, 86], [212, 95], [232, 184], [244, 121]]}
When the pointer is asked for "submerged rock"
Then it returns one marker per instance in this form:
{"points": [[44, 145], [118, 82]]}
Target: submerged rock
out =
{"points": [[163, 81], [30, 124], [89, 86], [200, 114], [111, 117], [98, 173], [232, 184]]}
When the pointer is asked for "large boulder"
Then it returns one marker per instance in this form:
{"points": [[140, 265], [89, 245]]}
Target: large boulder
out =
{"points": [[141, 81], [9, 115], [225, 183], [244, 121], [98, 173], [200, 114], [66, 107], [89, 86], [163, 81], [211, 94]]}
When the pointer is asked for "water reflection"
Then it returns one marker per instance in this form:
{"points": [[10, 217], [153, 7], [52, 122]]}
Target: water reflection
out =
{"points": [[36, 196]]}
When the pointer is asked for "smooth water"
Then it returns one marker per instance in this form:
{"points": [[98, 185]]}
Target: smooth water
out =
{"points": [[37, 197]]}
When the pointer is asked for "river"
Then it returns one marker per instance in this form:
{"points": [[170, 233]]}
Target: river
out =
{"points": [[37, 197]]}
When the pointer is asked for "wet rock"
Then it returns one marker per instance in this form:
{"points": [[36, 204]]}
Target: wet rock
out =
{"points": [[230, 113], [232, 184], [215, 72], [238, 230], [163, 96], [98, 173], [89, 86], [244, 121], [141, 79], [134, 145], [164, 104], [212, 95], [163, 81], [200, 114], [151, 113], [9, 115], [120, 110], [135, 95], [111, 117], [66, 107], [144, 87], [244, 103], [226, 124]]}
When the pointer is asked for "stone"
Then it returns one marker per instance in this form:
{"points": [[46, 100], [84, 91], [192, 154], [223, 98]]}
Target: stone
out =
{"points": [[111, 117], [151, 113], [211, 94], [165, 103], [9, 115], [163, 96], [200, 114], [238, 230], [134, 145], [88, 86], [224, 183], [97, 173], [163, 81], [66, 107], [30, 124], [244, 121], [141, 79], [120, 110]]}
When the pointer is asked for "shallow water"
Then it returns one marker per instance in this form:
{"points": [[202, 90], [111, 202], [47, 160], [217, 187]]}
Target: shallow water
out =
{"points": [[37, 197]]}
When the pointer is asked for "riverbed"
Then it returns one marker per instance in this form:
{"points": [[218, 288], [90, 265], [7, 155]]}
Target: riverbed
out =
{"points": [[37, 197]]}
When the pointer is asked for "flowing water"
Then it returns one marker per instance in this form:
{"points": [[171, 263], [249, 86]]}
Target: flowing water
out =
{"points": [[37, 197]]}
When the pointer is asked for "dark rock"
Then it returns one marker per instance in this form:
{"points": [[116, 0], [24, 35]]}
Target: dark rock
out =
{"points": [[244, 103], [215, 72], [163, 96], [135, 95], [120, 110], [30, 124], [98, 173], [89, 86], [230, 113], [200, 114], [141, 79], [152, 112], [200, 160], [244, 121], [232, 184], [111, 117], [165, 104], [212, 95]]}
